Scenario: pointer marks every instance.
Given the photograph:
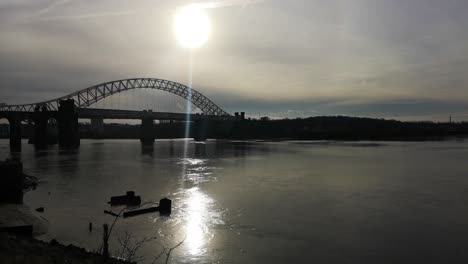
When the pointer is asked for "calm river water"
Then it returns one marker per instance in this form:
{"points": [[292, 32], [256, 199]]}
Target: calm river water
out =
{"points": [[263, 202]]}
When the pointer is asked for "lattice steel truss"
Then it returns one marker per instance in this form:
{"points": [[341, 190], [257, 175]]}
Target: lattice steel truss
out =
{"points": [[91, 95]]}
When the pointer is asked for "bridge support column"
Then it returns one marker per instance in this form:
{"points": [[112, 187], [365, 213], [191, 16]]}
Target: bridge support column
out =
{"points": [[200, 130], [147, 131], [224, 129], [40, 135], [172, 130], [97, 127], [15, 134], [69, 134], [239, 127]]}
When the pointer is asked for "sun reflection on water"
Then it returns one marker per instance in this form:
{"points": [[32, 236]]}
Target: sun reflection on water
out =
{"points": [[198, 209], [199, 216], [196, 226]]}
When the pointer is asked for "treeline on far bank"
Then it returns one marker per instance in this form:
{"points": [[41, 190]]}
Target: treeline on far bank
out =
{"points": [[346, 128], [312, 128]]}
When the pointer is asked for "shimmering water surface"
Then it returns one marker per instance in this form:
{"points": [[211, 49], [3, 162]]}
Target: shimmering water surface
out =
{"points": [[263, 202]]}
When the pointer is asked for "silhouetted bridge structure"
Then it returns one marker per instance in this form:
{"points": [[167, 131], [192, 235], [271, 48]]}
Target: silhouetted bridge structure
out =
{"points": [[68, 109]]}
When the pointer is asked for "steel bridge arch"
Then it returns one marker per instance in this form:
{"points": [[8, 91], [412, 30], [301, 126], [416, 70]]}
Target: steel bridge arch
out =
{"points": [[86, 97]]}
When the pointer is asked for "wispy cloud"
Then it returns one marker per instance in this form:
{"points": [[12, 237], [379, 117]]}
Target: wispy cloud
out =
{"points": [[51, 7], [4, 3], [226, 3], [46, 13], [86, 16]]}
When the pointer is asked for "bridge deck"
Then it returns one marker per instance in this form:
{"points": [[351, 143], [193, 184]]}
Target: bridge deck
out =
{"points": [[131, 114], [92, 113]]}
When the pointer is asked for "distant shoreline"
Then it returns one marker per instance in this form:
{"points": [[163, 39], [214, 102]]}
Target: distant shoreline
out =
{"points": [[341, 128], [394, 139]]}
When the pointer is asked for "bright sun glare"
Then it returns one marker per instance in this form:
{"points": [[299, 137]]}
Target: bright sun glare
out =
{"points": [[192, 27]]}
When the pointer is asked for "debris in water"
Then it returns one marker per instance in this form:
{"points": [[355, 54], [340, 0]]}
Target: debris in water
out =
{"points": [[111, 213], [128, 199], [164, 209], [141, 211]]}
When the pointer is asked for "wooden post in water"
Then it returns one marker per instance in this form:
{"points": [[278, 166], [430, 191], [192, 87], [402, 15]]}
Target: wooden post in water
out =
{"points": [[105, 242]]}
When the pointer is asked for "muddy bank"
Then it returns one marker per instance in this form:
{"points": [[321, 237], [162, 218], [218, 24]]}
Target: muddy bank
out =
{"points": [[18, 225], [19, 250]]}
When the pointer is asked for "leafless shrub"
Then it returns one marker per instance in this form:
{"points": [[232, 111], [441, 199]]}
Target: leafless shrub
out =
{"points": [[129, 245], [167, 251]]}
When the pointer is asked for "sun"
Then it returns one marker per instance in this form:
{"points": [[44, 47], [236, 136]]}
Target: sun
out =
{"points": [[192, 27]]}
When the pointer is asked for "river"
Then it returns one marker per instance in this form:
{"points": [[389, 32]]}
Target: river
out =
{"points": [[262, 202]]}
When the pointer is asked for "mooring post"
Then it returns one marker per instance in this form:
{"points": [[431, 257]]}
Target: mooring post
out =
{"points": [[165, 207], [105, 241]]}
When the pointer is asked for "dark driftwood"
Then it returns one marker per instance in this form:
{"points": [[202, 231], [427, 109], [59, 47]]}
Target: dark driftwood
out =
{"points": [[141, 211]]}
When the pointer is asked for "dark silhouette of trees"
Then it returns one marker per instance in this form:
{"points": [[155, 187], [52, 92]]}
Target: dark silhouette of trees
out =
{"points": [[346, 128]]}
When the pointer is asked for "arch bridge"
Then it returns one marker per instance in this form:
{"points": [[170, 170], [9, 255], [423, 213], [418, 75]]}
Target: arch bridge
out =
{"points": [[69, 108]]}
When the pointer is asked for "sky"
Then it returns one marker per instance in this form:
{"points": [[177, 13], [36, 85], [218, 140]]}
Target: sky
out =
{"points": [[398, 59]]}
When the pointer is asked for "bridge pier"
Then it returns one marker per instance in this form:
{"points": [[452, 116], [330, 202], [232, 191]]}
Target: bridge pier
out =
{"points": [[40, 135], [15, 134], [147, 131], [97, 127], [238, 127], [173, 132], [216, 129], [200, 130], [69, 134]]}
